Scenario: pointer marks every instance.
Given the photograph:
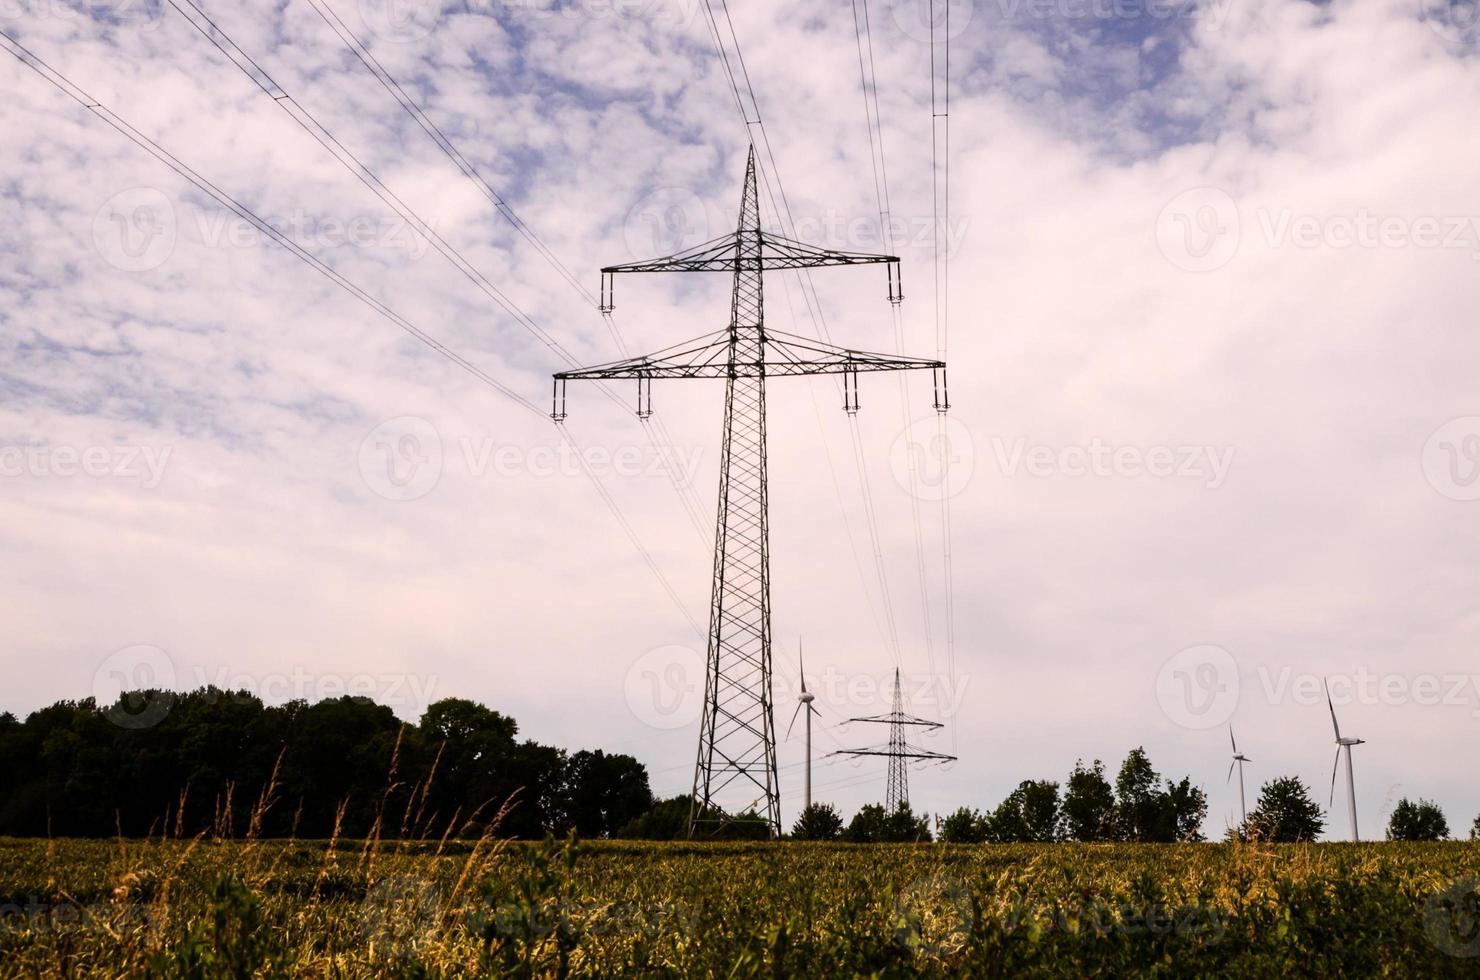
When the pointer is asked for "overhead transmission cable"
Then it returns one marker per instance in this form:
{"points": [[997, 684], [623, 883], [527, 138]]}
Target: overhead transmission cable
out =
{"points": [[59, 81], [654, 425], [940, 187], [873, 119], [781, 207], [250, 67]]}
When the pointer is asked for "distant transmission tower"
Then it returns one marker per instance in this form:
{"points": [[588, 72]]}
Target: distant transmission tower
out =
{"points": [[736, 768], [899, 752]]}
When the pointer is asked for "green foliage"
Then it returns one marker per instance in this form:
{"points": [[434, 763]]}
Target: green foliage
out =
{"points": [[666, 820], [1148, 812], [530, 924], [965, 826], [1285, 813], [1030, 814], [872, 825], [229, 941], [83, 769], [743, 910], [1417, 821], [820, 821], [1475, 829], [1089, 811]]}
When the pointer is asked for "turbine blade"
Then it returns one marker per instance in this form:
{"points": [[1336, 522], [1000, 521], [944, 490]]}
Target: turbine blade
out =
{"points": [[801, 666], [793, 720], [1336, 764], [1230, 773], [1231, 741], [1334, 724]]}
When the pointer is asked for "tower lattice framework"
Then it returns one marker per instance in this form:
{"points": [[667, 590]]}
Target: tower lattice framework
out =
{"points": [[735, 769], [899, 752]]}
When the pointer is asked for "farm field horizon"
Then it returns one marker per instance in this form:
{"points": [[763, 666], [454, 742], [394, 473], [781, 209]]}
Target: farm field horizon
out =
{"points": [[114, 908]]}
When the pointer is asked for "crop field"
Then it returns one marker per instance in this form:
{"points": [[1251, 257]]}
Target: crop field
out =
{"points": [[233, 909]]}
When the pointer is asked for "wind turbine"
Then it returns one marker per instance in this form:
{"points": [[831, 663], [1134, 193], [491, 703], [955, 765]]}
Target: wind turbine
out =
{"points": [[805, 701], [1238, 760], [1351, 786]]}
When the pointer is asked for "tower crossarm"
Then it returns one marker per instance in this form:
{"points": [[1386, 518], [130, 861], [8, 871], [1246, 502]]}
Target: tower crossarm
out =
{"points": [[786, 355], [899, 720], [726, 254], [910, 753], [750, 251]]}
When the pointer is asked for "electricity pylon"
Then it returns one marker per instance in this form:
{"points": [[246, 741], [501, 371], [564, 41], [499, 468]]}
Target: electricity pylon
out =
{"points": [[900, 752], [735, 772]]}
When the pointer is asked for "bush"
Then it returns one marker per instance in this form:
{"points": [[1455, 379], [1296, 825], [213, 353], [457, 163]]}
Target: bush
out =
{"points": [[820, 821], [1417, 821]]}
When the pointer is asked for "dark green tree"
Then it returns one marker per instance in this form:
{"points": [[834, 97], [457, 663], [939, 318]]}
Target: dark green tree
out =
{"points": [[867, 826], [1475, 829], [1285, 813], [965, 826], [1089, 805], [1187, 808], [872, 825], [820, 821], [1140, 806], [1030, 814], [666, 820], [1417, 821], [603, 793]]}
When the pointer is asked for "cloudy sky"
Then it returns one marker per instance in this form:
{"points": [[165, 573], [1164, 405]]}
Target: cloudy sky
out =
{"points": [[1215, 432]]}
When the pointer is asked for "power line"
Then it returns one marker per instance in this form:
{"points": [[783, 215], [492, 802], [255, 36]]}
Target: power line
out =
{"points": [[940, 133], [38, 65], [873, 119], [654, 427], [781, 207]]}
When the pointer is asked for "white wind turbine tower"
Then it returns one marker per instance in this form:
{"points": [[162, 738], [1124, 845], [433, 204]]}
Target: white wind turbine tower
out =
{"points": [[1238, 760], [805, 701], [1351, 786]]}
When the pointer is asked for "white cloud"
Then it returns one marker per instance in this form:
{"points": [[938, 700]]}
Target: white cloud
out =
{"points": [[1323, 369]]}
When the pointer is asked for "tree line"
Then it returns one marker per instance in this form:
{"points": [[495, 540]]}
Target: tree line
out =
{"points": [[160, 763]]}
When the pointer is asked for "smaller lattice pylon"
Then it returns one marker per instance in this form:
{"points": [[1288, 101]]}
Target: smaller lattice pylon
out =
{"points": [[899, 752]]}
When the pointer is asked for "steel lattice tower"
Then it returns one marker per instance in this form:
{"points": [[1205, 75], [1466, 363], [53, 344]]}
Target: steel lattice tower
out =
{"points": [[735, 772], [900, 753]]}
